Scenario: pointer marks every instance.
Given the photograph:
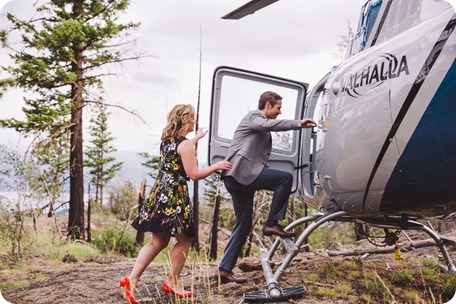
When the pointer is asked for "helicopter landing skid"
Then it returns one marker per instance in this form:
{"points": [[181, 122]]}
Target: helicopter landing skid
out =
{"points": [[264, 297]]}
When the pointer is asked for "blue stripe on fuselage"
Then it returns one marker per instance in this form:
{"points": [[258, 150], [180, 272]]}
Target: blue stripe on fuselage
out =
{"points": [[425, 175]]}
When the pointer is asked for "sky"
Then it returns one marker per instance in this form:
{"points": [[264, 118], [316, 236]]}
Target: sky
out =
{"points": [[293, 39]]}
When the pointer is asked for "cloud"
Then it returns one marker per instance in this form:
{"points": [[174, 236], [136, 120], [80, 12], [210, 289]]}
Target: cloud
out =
{"points": [[293, 39], [3, 3]]}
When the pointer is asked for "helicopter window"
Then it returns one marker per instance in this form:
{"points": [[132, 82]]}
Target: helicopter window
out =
{"points": [[369, 20], [369, 13], [321, 110], [240, 95], [402, 16]]}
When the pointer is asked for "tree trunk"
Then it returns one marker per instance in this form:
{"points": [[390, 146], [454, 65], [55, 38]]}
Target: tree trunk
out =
{"points": [[76, 216], [101, 196], [141, 198], [96, 194], [76, 213], [195, 244], [215, 221], [89, 216]]}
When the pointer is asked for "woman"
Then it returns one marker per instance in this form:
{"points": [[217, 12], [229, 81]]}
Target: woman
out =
{"points": [[168, 211]]}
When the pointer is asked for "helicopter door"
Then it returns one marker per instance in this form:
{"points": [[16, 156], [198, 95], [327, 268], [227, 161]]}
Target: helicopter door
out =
{"points": [[235, 92], [316, 106]]}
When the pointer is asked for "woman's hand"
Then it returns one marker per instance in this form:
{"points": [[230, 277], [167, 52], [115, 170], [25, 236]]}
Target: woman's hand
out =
{"points": [[201, 132], [223, 165]]}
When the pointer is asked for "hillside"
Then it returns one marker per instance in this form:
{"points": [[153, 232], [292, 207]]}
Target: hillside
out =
{"points": [[374, 278]]}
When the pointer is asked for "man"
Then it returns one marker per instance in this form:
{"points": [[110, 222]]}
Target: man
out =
{"points": [[249, 152]]}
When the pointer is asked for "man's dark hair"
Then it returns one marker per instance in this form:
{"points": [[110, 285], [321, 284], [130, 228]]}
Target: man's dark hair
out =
{"points": [[268, 96]]}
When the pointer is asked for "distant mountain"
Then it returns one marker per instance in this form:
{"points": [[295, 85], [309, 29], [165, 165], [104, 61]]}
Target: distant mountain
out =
{"points": [[131, 170]]}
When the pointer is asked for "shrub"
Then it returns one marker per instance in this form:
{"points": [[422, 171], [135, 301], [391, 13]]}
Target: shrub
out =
{"points": [[123, 199], [115, 239]]}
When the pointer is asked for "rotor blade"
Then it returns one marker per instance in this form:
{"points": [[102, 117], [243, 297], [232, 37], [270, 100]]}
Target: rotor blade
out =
{"points": [[248, 9]]}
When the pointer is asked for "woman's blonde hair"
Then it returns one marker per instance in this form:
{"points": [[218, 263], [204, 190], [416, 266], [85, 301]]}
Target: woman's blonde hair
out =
{"points": [[178, 118]]}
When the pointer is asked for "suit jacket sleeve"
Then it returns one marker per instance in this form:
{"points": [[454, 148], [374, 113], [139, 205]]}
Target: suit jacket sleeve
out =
{"points": [[252, 144]]}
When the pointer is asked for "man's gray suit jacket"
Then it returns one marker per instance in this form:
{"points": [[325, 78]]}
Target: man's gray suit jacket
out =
{"points": [[252, 144]]}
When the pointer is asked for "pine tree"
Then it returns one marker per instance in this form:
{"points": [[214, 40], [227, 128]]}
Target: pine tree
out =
{"points": [[212, 189], [151, 162], [60, 61], [103, 167], [52, 158]]}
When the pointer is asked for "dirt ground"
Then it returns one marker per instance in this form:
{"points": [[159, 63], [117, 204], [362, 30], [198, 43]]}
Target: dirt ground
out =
{"points": [[326, 279]]}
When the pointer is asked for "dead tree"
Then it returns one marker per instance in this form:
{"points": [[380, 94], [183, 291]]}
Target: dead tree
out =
{"points": [[141, 198], [214, 231]]}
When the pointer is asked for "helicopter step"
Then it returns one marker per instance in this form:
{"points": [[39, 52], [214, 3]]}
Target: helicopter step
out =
{"points": [[273, 292], [264, 297]]}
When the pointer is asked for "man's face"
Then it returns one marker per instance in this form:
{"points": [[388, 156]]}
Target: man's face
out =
{"points": [[273, 111]]}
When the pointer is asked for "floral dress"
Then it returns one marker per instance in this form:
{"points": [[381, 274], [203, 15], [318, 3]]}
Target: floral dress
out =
{"points": [[168, 208]]}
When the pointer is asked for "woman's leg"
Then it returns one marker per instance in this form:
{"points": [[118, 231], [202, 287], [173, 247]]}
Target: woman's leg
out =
{"points": [[177, 260], [157, 243]]}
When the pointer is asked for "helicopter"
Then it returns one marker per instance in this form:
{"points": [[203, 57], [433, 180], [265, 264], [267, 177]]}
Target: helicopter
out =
{"points": [[383, 153]]}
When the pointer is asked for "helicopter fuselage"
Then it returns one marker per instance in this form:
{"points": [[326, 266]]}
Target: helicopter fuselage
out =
{"points": [[387, 119], [385, 143]]}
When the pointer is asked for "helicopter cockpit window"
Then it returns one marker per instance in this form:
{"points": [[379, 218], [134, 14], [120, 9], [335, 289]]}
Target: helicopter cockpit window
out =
{"points": [[402, 16], [321, 111], [369, 17], [396, 18], [369, 13], [238, 96]]}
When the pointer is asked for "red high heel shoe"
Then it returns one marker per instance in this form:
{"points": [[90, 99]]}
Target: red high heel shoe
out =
{"points": [[167, 289], [128, 295]]}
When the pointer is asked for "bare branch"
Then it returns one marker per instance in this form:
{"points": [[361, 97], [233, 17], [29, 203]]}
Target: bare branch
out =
{"points": [[117, 60], [134, 113], [405, 247]]}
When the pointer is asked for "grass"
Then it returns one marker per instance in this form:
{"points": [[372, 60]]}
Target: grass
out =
{"points": [[367, 298], [364, 282], [23, 283], [14, 270], [310, 277], [339, 232], [351, 280], [197, 272], [403, 276], [411, 296], [327, 292], [19, 284]]}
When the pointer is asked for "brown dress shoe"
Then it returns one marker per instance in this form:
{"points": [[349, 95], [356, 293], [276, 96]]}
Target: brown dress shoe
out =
{"points": [[277, 230], [228, 277]]}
